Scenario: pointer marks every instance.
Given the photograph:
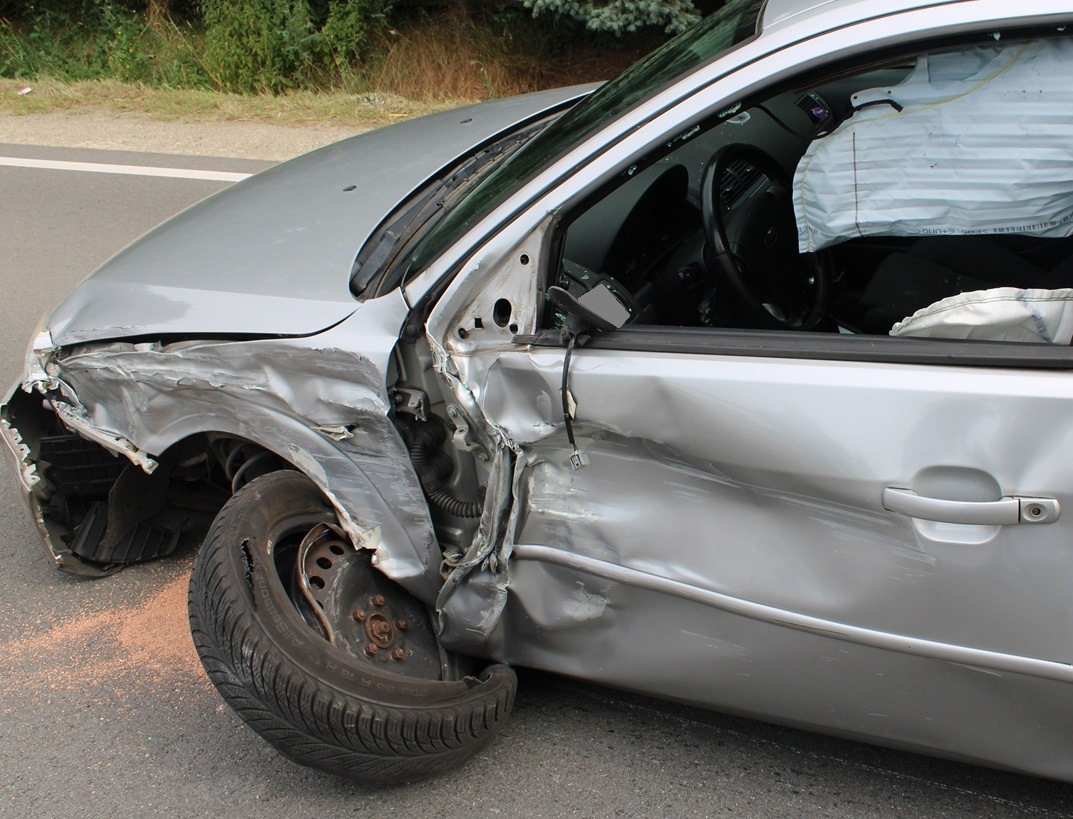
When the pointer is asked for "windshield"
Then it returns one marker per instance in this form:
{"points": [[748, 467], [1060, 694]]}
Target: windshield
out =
{"points": [[731, 25]]}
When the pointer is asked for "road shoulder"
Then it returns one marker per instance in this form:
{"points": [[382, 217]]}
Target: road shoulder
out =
{"points": [[133, 132]]}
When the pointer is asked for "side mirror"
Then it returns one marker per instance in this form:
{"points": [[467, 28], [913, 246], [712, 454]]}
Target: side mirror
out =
{"points": [[599, 309]]}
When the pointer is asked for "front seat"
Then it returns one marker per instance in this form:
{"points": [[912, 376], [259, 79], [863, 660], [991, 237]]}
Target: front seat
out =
{"points": [[935, 267]]}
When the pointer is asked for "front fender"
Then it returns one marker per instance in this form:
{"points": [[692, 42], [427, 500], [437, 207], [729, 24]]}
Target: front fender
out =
{"points": [[323, 410]]}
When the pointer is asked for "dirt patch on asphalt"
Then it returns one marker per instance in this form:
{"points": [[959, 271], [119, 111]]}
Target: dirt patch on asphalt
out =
{"points": [[134, 132], [150, 640]]}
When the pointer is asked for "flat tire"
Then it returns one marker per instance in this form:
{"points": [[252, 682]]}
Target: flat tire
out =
{"points": [[338, 669]]}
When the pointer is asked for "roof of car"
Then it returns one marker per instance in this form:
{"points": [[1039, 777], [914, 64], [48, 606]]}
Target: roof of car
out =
{"points": [[779, 12]]}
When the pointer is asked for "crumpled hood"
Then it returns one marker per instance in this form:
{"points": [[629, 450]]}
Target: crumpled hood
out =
{"points": [[273, 253]]}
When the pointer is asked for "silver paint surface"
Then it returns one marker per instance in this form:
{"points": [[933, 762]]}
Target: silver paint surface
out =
{"points": [[272, 254], [768, 476]]}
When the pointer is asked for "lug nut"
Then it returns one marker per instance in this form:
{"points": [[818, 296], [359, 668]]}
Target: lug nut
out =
{"points": [[371, 649], [378, 600], [358, 615], [402, 625], [398, 654]]}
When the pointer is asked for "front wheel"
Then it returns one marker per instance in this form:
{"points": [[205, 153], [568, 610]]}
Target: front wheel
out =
{"points": [[329, 661]]}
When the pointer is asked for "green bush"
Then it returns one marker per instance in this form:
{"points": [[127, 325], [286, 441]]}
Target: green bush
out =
{"points": [[347, 27], [94, 40], [279, 45], [126, 55], [166, 54], [259, 45], [69, 44]]}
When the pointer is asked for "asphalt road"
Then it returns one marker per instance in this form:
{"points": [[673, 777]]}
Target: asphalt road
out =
{"points": [[104, 710]]}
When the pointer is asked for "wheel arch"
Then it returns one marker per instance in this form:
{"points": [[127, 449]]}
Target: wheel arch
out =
{"points": [[354, 455]]}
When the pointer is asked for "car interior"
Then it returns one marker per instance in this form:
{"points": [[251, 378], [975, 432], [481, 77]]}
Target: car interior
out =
{"points": [[702, 233]]}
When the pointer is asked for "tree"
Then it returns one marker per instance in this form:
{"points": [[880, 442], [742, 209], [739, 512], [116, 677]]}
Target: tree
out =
{"points": [[619, 16]]}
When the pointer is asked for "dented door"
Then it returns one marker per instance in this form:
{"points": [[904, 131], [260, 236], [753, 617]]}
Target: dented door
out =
{"points": [[758, 486]]}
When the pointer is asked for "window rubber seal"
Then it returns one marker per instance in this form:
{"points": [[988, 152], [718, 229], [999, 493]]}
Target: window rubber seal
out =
{"points": [[822, 347]]}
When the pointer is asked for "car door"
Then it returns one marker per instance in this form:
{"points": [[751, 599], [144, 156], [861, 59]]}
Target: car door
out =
{"points": [[868, 534], [906, 504]]}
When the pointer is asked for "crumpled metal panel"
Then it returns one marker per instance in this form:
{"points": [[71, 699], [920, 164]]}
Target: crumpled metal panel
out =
{"points": [[769, 475], [648, 642], [492, 299], [314, 402]]}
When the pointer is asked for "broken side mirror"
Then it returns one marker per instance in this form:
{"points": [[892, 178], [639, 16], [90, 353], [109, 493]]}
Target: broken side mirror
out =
{"points": [[601, 308]]}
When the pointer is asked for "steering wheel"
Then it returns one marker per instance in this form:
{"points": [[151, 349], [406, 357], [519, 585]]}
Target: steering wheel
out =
{"points": [[753, 251]]}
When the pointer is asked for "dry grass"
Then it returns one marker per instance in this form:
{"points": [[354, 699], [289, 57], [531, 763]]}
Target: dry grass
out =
{"points": [[450, 58], [299, 108]]}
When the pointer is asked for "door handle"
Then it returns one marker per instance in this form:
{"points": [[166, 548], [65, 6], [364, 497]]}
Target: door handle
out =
{"points": [[1004, 512]]}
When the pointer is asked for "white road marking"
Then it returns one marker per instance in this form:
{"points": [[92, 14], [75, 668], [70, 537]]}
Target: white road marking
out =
{"points": [[130, 170]]}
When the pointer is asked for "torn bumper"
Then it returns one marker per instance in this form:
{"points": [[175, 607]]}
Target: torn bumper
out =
{"points": [[18, 446], [16, 452]]}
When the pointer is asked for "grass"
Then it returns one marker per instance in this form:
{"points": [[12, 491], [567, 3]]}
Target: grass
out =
{"points": [[430, 64], [452, 58], [297, 108]]}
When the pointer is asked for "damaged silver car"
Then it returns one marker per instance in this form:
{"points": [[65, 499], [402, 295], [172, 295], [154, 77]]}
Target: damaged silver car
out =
{"points": [[756, 356]]}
